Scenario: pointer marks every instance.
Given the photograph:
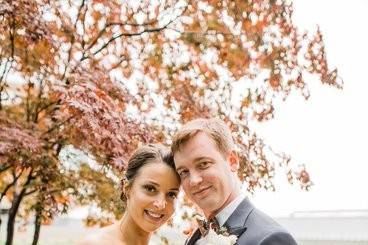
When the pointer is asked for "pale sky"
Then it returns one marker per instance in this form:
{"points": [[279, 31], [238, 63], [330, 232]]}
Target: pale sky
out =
{"points": [[329, 131]]}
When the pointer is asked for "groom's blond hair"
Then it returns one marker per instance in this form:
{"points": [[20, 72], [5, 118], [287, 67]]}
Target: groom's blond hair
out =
{"points": [[215, 128]]}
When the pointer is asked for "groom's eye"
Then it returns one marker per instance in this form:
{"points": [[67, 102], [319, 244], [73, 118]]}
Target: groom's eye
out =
{"points": [[183, 173], [203, 165]]}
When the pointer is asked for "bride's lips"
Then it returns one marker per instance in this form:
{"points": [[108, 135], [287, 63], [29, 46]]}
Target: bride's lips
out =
{"points": [[154, 216], [202, 191]]}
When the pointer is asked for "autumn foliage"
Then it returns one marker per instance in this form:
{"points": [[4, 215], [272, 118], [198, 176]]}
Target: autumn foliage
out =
{"points": [[104, 76]]}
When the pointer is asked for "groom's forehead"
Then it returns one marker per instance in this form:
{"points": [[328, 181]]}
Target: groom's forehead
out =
{"points": [[196, 147], [198, 141]]}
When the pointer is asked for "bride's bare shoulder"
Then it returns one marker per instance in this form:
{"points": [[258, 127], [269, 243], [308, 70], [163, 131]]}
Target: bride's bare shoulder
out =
{"points": [[95, 239], [104, 236], [91, 240]]}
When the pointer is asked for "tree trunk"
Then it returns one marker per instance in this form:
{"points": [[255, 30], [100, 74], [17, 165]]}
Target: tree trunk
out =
{"points": [[11, 219], [14, 210], [36, 234]]}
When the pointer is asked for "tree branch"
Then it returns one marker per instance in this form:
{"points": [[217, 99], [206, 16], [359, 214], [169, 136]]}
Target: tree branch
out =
{"points": [[131, 24], [3, 193], [39, 98], [11, 36], [30, 192], [6, 69], [57, 126], [72, 41], [128, 34], [46, 106], [79, 13], [46, 192], [4, 168], [28, 106]]}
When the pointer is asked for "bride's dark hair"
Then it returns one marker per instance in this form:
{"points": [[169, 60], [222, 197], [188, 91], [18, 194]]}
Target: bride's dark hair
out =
{"points": [[143, 155]]}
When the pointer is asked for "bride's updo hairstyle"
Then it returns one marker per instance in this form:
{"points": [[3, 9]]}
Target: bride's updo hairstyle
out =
{"points": [[145, 154]]}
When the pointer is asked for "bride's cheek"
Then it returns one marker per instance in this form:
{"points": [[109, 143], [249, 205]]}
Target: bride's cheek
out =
{"points": [[171, 208]]}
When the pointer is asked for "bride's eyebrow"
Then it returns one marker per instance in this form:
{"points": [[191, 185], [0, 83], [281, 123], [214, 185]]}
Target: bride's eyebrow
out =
{"points": [[152, 183]]}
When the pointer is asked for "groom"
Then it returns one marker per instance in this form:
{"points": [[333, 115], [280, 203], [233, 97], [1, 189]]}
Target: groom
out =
{"points": [[205, 159]]}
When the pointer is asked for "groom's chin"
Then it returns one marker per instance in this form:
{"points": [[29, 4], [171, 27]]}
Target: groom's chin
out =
{"points": [[207, 204]]}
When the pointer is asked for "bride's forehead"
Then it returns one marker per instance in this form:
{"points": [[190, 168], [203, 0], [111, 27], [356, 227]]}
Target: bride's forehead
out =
{"points": [[158, 172], [154, 168]]}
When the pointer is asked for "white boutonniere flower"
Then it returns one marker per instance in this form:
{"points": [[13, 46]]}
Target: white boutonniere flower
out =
{"points": [[212, 238]]}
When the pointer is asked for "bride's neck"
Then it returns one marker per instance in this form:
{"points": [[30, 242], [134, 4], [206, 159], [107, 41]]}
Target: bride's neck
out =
{"points": [[131, 233]]}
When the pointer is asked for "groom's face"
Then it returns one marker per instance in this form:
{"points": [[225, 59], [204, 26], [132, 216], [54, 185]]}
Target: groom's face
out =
{"points": [[207, 176]]}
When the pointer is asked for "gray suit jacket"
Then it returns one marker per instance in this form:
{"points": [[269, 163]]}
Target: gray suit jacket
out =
{"points": [[252, 227]]}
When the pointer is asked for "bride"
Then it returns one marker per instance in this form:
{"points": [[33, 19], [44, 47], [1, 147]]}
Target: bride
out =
{"points": [[151, 186]]}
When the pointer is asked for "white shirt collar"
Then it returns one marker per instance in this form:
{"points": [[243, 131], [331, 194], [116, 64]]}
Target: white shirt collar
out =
{"points": [[225, 213]]}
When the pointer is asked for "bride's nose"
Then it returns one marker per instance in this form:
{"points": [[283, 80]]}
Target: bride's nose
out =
{"points": [[159, 202]]}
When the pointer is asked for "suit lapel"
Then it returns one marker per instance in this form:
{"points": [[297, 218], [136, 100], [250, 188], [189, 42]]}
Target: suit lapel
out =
{"points": [[236, 223], [196, 235]]}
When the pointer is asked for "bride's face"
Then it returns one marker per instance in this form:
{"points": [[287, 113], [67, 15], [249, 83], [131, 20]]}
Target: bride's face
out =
{"points": [[152, 195]]}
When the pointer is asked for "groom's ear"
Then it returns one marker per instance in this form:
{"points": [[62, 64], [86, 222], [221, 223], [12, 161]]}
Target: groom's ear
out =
{"points": [[233, 160]]}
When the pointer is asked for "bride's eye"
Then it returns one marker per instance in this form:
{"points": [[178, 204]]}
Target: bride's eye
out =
{"points": [[172, 195], [149, 188]]}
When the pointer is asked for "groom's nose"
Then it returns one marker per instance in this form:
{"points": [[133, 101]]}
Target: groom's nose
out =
{"points": [[195, 179]]}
